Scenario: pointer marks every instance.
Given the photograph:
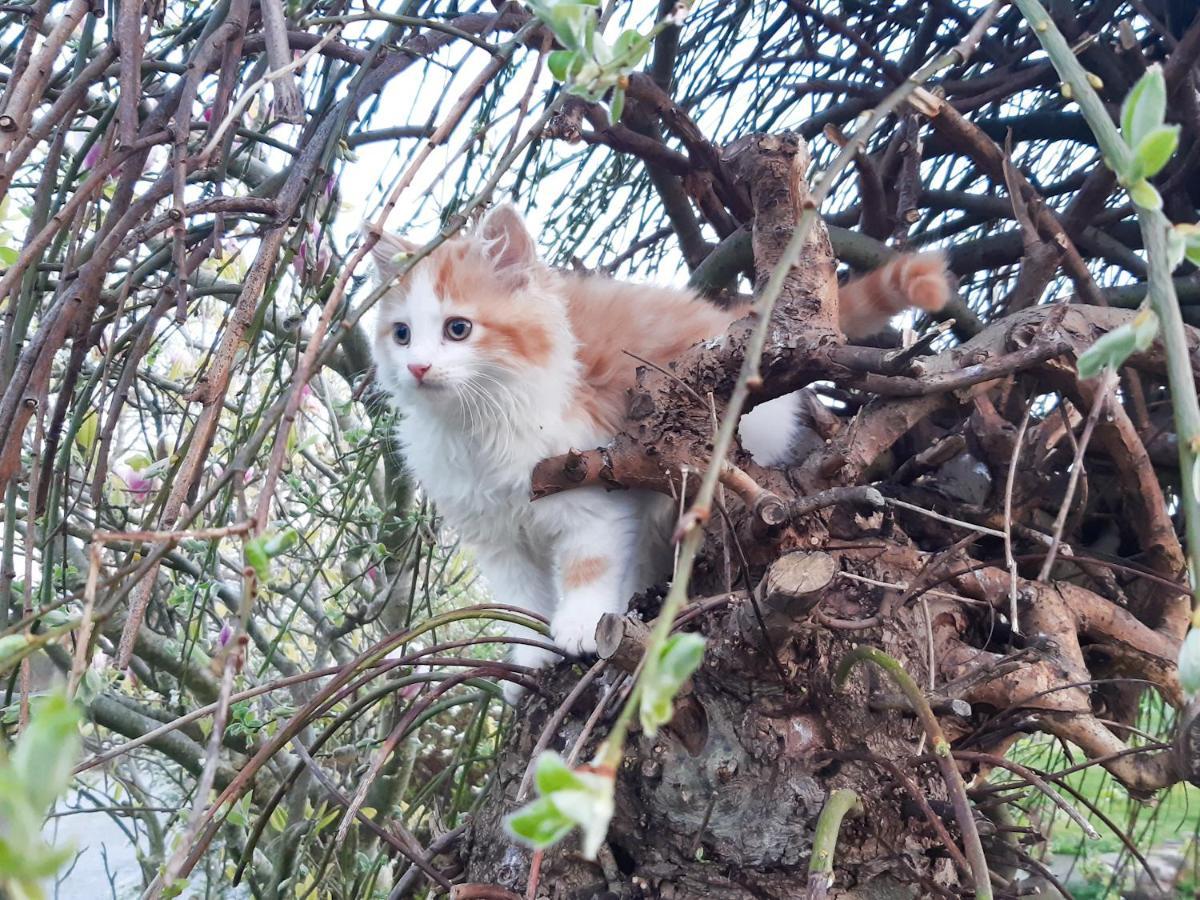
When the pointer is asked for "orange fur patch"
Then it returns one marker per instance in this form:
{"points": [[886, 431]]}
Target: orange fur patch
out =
{"points": [[911, 279], [512, 326], [614, 319], [580, 572], [926, 285], [469, 285]]}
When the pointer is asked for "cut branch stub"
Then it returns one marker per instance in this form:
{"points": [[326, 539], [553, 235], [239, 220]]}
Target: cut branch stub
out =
{"points": [[621, 640], [770, 169], [792, 587]]}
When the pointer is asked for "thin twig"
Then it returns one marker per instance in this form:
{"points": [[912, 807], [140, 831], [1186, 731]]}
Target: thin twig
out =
{"points": [[1100, 400]]}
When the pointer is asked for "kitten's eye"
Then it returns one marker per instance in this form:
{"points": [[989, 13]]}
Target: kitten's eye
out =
{"points": [[458, 329], [401, 333]]}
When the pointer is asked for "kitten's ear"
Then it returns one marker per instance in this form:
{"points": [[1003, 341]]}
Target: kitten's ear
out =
{"points": [[506, 240], [387, 252]]}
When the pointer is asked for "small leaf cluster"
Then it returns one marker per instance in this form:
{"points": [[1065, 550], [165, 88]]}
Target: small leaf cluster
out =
{"points": [[567, 797], [587, 64], [1152, 142], [32, 776], [663, 674], [258, 551], [1183, 242], [1111, 350]]}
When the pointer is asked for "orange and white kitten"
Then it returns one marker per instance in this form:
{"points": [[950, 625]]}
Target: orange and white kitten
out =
{"points": [[497, 361]]}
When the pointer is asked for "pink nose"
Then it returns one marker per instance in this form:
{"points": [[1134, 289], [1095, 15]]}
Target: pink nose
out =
{"points": [[418, 370]]}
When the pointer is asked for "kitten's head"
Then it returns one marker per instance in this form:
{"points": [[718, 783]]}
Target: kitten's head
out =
{"points": [[477, 316]]}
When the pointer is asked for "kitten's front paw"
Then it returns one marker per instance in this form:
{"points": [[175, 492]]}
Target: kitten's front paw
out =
{"points": [[513, 691], [574, 631], [530, 657]]}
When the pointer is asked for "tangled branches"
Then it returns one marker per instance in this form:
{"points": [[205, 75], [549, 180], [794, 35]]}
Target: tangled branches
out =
{"points": [[208, 532]]}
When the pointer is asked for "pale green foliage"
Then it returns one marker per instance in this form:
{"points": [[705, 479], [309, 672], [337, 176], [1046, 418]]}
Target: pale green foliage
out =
{"points": [[258, 551], [1151, 142], [583, 797], [1144, 108], [588, 65], [33, 775], [665, 670], [1184, 243], [567, 797], [1111, 350]]}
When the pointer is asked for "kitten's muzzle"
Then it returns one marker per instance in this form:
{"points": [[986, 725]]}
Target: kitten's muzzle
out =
{"points": [[419, 370]]}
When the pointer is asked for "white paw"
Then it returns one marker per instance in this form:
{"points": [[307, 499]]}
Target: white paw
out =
{"points": [[575, 631], [531, 658], [512, 692]]}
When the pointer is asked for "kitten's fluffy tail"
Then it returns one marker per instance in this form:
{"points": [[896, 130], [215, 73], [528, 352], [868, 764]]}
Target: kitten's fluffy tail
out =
{"points": [[782, 431], [910, 280]]}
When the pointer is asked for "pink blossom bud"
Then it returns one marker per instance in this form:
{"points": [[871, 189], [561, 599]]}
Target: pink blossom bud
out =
{"points": [[140, 488]]}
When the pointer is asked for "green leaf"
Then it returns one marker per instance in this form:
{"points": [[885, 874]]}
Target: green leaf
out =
{"points": [[90, 687], [663, 676], [12, 647], [1144, 194], [553, 774], [326, 820], [239, 813], [256, 557], [9, 255], [569, 797], [85, 435], [573, 24], [618, 104], [539, 824], [279, 817], [564, 64], [1176, 247], [47, 750], [1189, 663], [138, 461], [1145, 108], [1145, 328], [1109, 352], [1190, 235], [630, 47], [582, 88], [590, 809], [282, 542], [1155, 150], [600, 52]]}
